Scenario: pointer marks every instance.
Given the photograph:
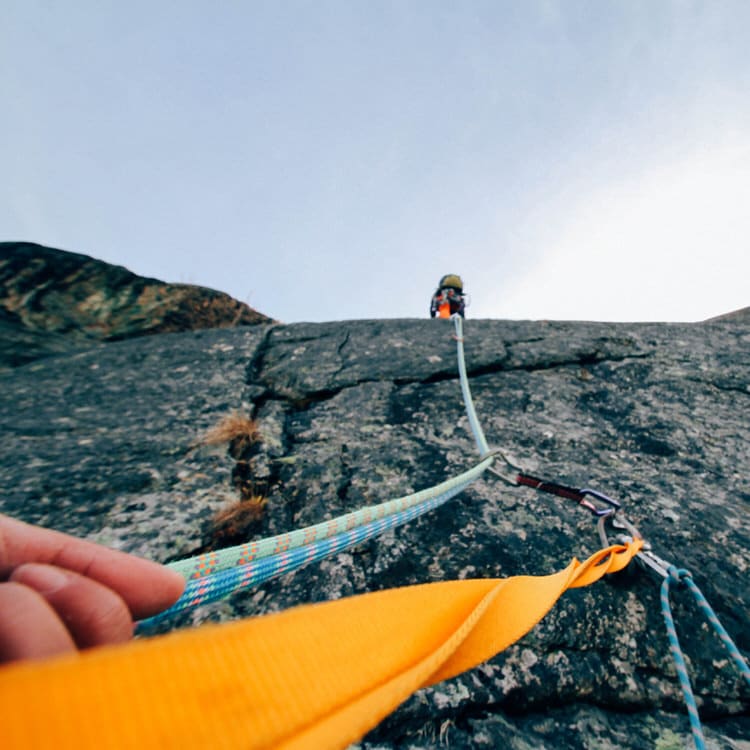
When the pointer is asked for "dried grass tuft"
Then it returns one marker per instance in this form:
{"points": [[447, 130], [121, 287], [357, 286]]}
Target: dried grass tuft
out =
{"points": [[239, 431], [241, 519], [236, 522], [232, 427]]}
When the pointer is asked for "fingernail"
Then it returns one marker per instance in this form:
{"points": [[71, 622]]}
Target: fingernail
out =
{"points": [[46, 579]]}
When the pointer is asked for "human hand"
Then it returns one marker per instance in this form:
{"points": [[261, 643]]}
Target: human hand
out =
{"points": [[59, 593]]}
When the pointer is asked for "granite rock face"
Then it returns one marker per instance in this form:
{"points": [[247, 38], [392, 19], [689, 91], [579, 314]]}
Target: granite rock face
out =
{"points": [[104, 444], [53, 301]]}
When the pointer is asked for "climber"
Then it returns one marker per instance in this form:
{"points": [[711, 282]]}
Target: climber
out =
{"points": [[449, 297]]}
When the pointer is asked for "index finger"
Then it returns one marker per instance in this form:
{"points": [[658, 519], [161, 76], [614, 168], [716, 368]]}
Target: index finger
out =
{"points": [[145, 586]]}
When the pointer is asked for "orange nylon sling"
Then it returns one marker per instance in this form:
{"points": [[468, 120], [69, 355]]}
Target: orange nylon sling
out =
{"points": [[316, 676]]}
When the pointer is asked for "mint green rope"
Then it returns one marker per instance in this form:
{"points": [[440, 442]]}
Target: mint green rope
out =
{"points": [[200, 590], [213, 562]]}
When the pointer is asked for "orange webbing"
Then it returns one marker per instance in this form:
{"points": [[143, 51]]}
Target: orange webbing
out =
{"points": [[317, 676]]}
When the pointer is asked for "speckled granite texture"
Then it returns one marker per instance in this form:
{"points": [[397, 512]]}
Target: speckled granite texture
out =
{"points": [[103, 443]]}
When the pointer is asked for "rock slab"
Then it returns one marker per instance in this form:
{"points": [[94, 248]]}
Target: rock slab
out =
{"points": [[104, 444]]}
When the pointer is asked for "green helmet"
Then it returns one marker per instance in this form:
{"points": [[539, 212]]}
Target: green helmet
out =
{"points": [[451, 281]]}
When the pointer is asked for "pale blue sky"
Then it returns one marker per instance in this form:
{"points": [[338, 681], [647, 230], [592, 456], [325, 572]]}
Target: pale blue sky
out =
{"points": [[327, 160]]}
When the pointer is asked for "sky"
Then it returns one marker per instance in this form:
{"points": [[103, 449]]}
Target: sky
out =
{"points": [[328, 160]]}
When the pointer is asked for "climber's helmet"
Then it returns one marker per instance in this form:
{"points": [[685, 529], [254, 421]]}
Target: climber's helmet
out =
{"points": [[451, 281]]}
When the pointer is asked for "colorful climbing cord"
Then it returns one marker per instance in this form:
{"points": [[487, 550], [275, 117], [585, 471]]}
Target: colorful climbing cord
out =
{"points": [[204, 589]]}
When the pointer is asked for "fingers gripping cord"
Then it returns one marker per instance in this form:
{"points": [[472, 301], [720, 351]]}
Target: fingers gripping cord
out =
{"points": [[314, 676], [679, 578]]}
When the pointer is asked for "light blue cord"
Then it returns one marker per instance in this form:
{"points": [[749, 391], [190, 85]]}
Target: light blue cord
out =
{"points": [[476, 428]]}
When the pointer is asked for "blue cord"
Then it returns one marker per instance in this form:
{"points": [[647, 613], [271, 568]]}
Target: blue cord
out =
{"points": [[680, 577]]}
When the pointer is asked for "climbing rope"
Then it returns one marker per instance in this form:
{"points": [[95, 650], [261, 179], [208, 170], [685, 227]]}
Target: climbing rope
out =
{"points": [[681, 577], [243, 683], [684, 576], [241, 554], [471, 413], [608, 509], [216, 575], [202, 588], [519, 477]]}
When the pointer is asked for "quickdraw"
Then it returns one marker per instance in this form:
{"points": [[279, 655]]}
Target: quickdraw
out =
{"points": [[610, 512], [582, 496]]}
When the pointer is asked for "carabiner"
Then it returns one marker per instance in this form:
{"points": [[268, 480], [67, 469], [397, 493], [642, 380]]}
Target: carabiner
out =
{"points": [[646, 557], [614, 505], [513, 481], [620, 522]]}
